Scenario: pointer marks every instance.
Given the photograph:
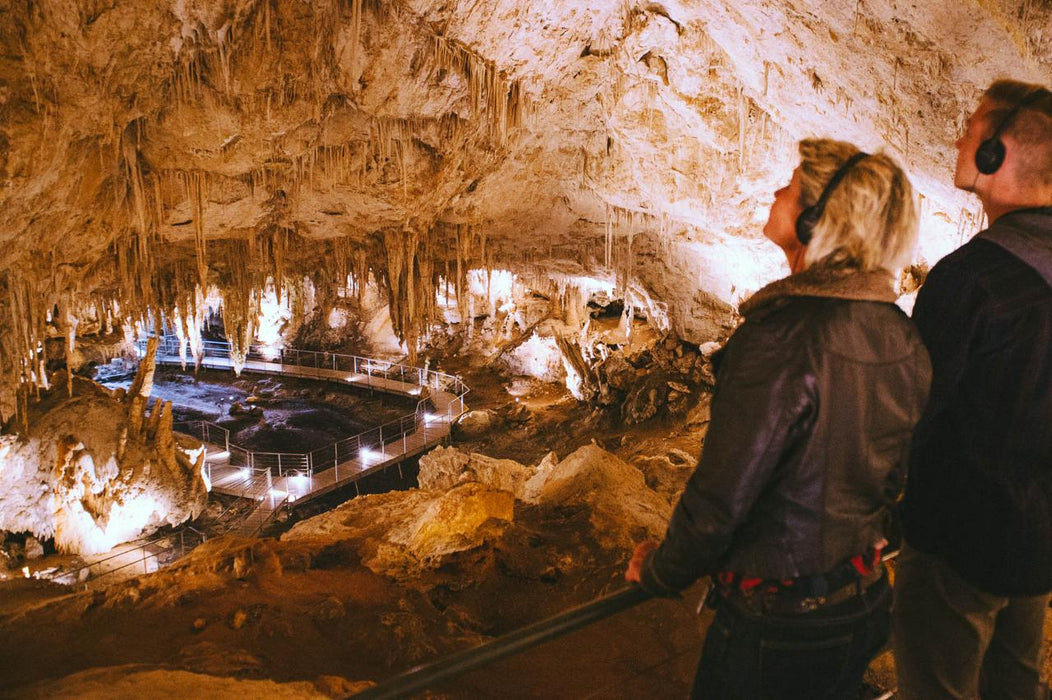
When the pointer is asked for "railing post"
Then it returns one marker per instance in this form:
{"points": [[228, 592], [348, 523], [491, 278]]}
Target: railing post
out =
{"points": [[382, 454]]}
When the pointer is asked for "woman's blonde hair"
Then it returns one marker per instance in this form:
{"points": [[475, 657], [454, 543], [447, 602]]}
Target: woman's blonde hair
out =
{"points": [[870, 218]]}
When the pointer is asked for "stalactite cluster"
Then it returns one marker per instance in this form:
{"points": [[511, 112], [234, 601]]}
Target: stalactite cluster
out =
{"points": [[214, 154], [153, 280]]}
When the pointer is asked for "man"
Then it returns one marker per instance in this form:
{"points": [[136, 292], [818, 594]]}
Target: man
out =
{"points": [[972, 583]]}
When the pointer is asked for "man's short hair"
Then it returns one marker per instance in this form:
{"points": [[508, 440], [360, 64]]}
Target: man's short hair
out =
{"points": [[870, 218], [1031, 128]]}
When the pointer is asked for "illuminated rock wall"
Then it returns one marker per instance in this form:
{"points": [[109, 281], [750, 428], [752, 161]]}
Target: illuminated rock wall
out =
{"points": [[96, 469]]}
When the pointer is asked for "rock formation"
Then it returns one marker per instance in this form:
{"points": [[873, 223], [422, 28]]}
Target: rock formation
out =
{"points": [[98, 468], [469, 501]]}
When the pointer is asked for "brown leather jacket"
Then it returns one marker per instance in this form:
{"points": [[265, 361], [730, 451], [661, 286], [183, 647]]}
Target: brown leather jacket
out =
{"points": [[816, 398]]}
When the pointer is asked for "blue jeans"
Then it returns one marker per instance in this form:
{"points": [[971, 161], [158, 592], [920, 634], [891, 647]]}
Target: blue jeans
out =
{"points": [[819, 654]]}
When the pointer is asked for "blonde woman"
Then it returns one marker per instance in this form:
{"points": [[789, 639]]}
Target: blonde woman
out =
{"points": [[816, 397]]}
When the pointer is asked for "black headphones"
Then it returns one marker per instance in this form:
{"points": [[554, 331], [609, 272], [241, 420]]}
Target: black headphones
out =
{"points": [[990, 155], [809, 217]]}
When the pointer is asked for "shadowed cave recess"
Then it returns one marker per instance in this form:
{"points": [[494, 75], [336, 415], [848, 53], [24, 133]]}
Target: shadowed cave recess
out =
{"points": [[559, 203]]}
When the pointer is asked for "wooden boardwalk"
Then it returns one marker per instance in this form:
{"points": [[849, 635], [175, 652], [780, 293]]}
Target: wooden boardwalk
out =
{"points": [[271, 491]]}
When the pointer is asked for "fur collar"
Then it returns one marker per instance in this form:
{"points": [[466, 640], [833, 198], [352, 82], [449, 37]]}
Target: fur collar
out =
{"points": [[878, 285]]}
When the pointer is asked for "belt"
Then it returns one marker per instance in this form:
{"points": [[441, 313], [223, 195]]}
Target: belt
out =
{"points": [[786, 602]]}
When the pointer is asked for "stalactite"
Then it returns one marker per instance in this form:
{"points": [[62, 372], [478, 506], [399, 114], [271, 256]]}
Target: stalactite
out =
{"points": [[489, 92], [356, 30], [461, 284], [195, 184], [407, 288], [143, 212], [608, 247], [743, 121], [240, 300]]}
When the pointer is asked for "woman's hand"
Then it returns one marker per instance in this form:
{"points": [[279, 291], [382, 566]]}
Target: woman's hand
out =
{"points": [[635, 567]]}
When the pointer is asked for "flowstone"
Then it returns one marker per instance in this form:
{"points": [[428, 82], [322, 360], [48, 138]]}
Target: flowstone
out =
{"points": [[96, 469]]}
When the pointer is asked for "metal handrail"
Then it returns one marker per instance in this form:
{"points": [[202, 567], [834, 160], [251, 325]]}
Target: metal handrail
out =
{"points": [[427, 675], [195, 538], [327, 456], [356, 364]]}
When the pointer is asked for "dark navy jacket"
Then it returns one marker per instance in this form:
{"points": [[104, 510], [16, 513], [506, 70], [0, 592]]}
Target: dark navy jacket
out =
{"points": [[979, 490]]}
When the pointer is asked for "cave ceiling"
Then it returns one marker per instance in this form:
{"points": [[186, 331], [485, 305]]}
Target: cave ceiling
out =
{"points": [[162, 128]]}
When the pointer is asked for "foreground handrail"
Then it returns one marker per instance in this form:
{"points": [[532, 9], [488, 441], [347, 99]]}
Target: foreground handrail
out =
{"points": [[426, 675]]}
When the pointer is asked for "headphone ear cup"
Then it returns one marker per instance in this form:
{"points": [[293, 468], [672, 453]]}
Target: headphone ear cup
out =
{"points": [[989, 156], [806, 222]]}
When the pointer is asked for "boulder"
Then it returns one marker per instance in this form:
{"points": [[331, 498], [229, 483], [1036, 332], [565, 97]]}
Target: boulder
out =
{"points": [[462, 519], [617, 372], [402, 534], [475, 423], [33, 548], [709, 349], [445, 467], [623, 510], [666, 474]]}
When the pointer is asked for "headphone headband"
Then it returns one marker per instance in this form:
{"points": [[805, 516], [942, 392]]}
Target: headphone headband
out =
{"points": [[809, 217]]}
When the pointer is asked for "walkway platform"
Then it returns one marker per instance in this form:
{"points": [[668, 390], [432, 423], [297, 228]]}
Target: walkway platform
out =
{"points": [[273, 480]]}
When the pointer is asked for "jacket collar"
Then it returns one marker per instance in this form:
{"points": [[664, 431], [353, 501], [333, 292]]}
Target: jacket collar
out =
{"points": [[1027, 234], [878, 285]]}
